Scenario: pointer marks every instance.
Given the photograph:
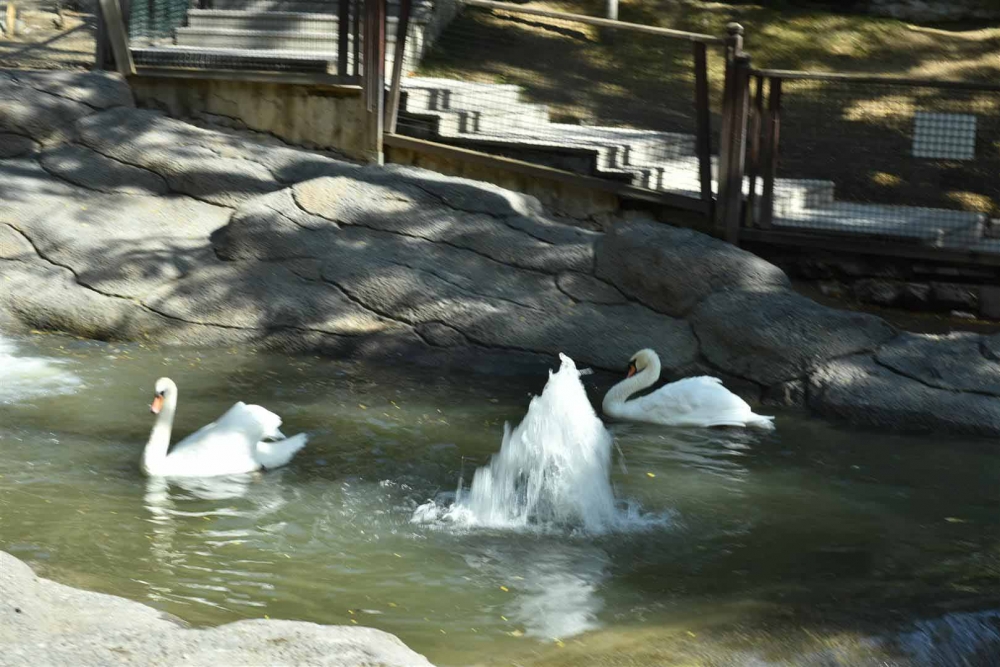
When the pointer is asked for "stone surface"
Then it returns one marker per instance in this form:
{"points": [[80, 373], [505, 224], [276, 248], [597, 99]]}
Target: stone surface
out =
{"points": [[117, 244], [46, 623], [14, 245], [15, 145], [776, 335], [861, 391], [96, 89], [176, 151], [404, 208], [672, 269], [26, 110], [955, 295], [989, 302], [785, 394], [956, 362], [92, 170], [583, 287]]}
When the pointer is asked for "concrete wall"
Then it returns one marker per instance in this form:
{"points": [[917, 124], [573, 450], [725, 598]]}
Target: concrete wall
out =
{"points": [[565, 198], [312, 116]]}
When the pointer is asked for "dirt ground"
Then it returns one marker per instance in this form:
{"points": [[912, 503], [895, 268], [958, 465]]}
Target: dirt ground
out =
{"points": [[50, 39]]}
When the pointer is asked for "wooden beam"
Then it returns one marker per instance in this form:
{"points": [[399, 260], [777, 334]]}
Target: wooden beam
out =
{"points": [[703, 117], [399, 56], [118, 35], [590, 20], [374, 78], [875, 79]]}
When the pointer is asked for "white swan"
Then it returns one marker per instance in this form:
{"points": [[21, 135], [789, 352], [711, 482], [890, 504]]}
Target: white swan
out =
{"points": [[694, 401], [246, 438]]}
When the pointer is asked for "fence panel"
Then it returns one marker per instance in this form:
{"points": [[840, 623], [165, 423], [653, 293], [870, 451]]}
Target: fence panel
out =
{"points": [[320, 36], [879, 159], [570, 93]]}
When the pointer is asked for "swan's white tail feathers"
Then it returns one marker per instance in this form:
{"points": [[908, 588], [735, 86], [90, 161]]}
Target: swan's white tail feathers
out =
{"points": [[277, 454], [761, 421]]}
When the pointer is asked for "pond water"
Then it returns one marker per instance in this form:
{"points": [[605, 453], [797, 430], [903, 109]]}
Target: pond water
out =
{"points": [[809, 545]]}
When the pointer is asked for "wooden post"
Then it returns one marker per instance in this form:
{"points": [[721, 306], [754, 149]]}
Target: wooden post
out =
{"points": [[611, 10], [770, 153], [753, 156], [356, 22], [703, 119], [734, 47], [374, 77], [734, 168], [118, 36], [343, 35], [399, 56], [11, 20], [102, 48]]}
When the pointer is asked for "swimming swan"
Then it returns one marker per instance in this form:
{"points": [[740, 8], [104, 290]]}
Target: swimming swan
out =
{"points": [[246, 438], [694, 401]]}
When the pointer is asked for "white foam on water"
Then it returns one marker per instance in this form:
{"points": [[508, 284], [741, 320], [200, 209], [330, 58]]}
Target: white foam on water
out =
{"points": [[24, 377], [552, 471]]}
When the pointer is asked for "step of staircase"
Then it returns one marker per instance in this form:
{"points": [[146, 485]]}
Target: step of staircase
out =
{"points": [[310, 6], [234, 59], [288, 21], [270, 40]]}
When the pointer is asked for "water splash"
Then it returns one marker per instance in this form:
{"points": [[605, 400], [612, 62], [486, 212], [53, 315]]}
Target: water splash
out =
{"points": [[552, 470], [23, 377]]}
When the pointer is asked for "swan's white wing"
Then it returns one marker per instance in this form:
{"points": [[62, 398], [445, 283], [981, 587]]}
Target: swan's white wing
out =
{"points": [[695, 401], [226, 446]]}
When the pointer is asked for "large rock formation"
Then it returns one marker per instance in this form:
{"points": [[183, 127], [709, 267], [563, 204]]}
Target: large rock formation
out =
{"points": [[122, 223], [46, 623]]}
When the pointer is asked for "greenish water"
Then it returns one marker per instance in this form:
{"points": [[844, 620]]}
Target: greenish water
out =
{"points": [[769, 547]]}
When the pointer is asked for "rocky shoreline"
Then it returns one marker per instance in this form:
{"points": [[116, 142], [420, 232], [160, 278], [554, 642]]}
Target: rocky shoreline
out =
{"points": [[123, 224], [46, 623]]}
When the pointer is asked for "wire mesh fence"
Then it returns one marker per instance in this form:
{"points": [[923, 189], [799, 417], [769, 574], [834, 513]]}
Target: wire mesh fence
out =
{"points": [[555, 91], [276, 35], [908, 162]]}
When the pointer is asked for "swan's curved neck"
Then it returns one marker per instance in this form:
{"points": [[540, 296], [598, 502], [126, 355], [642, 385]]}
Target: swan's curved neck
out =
{"points": [[155, 453], [614, 400]]}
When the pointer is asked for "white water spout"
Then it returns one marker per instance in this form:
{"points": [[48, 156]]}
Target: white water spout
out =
{"points": [[552, 470], [23, 377]]}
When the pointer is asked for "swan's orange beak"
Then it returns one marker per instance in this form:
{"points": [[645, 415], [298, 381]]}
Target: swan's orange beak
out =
{"points": [[157, 405], [631, 370]]}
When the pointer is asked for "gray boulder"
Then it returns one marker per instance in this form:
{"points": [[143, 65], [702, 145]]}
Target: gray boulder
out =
{"points": [[94, 171], [956, 362], [15, 145], [96, 89], [671, 269], [777, 335], [46, 623], [861, 391]]}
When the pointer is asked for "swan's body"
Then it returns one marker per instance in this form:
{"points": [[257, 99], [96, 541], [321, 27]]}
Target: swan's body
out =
{"points": [[245, 439], [694, 401]]}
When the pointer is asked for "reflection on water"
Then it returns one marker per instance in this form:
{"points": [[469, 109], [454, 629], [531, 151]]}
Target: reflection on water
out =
{"points": [[811, 545]]}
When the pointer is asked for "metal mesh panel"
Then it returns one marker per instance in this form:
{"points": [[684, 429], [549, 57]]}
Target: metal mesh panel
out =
{"points": [[595, 101], [275, 35], [901, 163]]}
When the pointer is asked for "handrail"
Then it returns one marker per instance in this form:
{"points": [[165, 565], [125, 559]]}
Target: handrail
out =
{"points": [[845, 77], [593, 20]]}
